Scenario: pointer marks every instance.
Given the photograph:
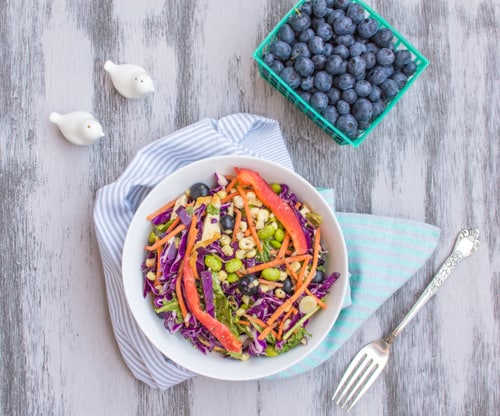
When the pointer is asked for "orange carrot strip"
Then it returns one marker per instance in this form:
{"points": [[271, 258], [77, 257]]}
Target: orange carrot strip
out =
{"points": [[160, 210], [250, 223], [292, 273], [174, 224], [244, 323], [228, 197], [316, 247], [237, 222], [192, 234], [277, 262], [274, 252], [231, 184], [284, 246], [288, 303], [191, 240], [257, 321], [158, 262], [180, 298], [283, 321], [319, 302], [300, 276], [270, 283], [158, 270], [167, 237], [267, 331]]}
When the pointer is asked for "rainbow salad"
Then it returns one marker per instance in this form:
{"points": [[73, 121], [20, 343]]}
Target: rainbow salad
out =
{"points": [[238, 268]]}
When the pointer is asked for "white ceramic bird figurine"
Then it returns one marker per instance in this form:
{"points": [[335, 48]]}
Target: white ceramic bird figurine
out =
{"points": [[131, 81], [78, 127]]}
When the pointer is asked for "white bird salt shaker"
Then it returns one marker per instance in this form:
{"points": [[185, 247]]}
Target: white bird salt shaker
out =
{"points": [[131, 81], [78, 127]]}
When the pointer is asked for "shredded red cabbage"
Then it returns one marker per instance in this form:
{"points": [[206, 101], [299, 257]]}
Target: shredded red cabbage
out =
{"points": [[219, 297], [208, 291]]}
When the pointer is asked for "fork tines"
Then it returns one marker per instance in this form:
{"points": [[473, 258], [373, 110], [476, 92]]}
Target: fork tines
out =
{"points": [[358, 377]]}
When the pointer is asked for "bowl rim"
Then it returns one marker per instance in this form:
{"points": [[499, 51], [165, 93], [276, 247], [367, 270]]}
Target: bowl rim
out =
{"points": [[143, 316]]}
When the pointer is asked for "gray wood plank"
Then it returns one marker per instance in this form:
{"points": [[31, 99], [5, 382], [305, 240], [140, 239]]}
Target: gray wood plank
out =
{"points": [[434, 158]]}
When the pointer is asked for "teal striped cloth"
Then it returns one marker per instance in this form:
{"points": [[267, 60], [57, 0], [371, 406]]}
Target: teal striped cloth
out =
{"points": [[383, 252]]}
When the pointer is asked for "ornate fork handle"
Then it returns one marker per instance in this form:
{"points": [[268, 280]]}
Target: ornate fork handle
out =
{"points": [[466, 244]]}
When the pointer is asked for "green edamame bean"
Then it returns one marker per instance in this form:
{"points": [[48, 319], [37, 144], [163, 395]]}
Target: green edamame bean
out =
{"points": [[233, 265], [276, 187], [213, 263], [162, 227], [275, 243], [279, 235], [232, 277], [271, 351], [152, 237], [266, 232], [272, 274]]}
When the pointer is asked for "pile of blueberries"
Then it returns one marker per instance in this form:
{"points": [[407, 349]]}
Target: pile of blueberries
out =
{"points": [[340, 62]]}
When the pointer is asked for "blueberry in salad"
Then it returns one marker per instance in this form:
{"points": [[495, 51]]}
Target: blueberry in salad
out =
{"points": [[237, 268]]}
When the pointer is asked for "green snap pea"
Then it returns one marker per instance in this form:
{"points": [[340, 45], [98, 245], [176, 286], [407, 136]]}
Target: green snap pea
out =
{"points": [[232, 277], [213, 263], [275, 243], [272, 274], [279, 235], [266, 232], [233, 265]]}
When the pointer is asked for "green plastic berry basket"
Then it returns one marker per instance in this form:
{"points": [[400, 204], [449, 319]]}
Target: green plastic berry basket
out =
{"points": [[269, 75]]}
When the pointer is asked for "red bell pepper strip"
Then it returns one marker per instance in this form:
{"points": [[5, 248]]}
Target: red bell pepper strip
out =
{"points": [[220, 331], [280, 208]]}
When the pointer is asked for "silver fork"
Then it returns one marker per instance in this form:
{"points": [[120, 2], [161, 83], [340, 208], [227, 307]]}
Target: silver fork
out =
{"points": [[372, 358]]}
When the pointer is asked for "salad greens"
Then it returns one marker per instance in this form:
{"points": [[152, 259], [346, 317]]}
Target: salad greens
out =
{"points": [[246, 285]]}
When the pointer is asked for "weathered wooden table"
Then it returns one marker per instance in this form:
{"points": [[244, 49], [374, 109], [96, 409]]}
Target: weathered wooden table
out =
{"points": [[434, 158]]}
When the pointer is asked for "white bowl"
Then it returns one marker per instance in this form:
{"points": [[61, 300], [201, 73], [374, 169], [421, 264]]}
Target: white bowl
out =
{"points": [[180, 350]]}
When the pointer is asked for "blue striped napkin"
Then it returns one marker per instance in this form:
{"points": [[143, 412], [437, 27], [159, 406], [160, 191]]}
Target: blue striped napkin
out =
{"points": [[383, 252]]}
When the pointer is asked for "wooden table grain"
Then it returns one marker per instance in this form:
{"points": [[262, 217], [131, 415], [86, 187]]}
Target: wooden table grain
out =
{"points": [[435, 158]]}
